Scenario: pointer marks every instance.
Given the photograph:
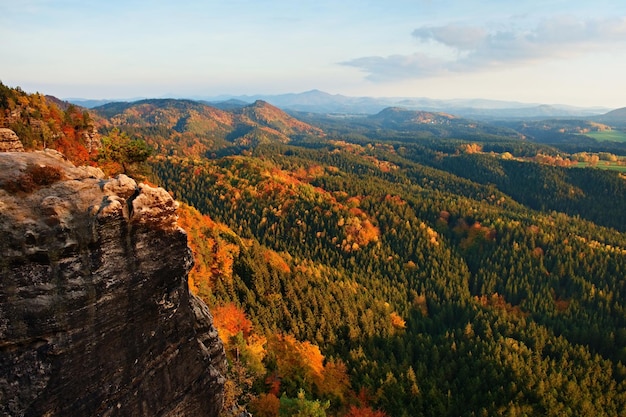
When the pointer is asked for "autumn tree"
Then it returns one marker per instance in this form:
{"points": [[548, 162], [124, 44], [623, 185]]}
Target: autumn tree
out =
{"points": [[301, 407], [300, 365], [120, 153], [336, 382], [364, 411], [231, 320], [245, 352], [265, 405]]}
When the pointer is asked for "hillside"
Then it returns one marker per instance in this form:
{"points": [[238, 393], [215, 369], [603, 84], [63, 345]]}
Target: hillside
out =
{"points": [[265, 114], [408, 274], [438, 124], [186, 127], [571, 135], [397, 123], [407, 261], [403, 118], [615, 118], [46, 122]]}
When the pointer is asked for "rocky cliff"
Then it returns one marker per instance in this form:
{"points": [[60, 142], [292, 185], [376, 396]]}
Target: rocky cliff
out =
{"points": [[95, 314]]}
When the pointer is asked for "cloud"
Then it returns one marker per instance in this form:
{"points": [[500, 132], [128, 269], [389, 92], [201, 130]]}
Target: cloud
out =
{"points": [[462, 37], [476, 48], [399, 66]]}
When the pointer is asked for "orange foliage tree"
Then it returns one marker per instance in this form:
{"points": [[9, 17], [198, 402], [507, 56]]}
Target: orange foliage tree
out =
{"points": [[364, 411], [192, 221], [265, 405], [298, 364], [336, 382], [396, 321], [213, 255], [230, 320]]}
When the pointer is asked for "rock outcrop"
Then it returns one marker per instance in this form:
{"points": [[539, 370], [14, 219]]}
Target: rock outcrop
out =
{"points": [[95, 315], [9, 142]]}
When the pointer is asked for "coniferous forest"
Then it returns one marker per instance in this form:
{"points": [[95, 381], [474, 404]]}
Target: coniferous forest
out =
{"points": [[362, 269]]}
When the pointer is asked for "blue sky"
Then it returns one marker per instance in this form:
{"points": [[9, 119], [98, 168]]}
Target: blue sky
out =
{"points": [[547, 51]]}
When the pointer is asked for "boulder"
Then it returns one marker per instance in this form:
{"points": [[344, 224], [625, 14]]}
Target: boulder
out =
{"points": [[9, 142]]}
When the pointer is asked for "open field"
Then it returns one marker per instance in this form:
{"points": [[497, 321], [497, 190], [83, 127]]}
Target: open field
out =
{"points": [[602, 165], [608, 135]]}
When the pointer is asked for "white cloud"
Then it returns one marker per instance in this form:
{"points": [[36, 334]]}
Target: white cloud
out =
{"points": [[462, 37], [400, 66], [477, 49]]}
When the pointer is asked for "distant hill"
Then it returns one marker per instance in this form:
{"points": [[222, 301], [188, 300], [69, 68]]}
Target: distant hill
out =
{"points": [[90, 104], [231, 104], [397, 117], [615, 118], [61, 104], [170, 113], [436, 123], [264, 114], [571, 135], [191, 127], [536, 112]]}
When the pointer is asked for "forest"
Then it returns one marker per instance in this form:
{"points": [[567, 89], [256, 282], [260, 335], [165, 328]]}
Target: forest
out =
{"points": [[387, 271], [438, 295]]}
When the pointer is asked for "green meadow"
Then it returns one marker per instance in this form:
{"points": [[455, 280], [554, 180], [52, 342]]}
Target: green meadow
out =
{"points": [[608, 135], [602, 165]]}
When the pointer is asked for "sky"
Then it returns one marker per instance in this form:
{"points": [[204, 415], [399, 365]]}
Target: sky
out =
{"points": [[547, 51]]}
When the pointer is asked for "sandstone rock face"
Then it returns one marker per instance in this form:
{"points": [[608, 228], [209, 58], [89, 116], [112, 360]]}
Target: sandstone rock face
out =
{"points": [[95, 315], [9, 142]]}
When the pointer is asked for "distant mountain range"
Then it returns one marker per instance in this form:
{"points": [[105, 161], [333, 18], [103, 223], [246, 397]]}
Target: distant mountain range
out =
{"points": [[316, 101], [187, 127]]}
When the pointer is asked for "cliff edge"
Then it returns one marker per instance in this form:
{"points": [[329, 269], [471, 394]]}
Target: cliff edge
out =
{"points": [[95, 314]]}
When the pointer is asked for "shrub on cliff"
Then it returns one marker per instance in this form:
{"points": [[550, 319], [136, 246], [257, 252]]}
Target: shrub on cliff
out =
{"points": [[32, 178]]}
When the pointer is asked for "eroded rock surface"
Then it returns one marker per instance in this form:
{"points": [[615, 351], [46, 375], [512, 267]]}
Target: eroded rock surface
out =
{"points": [[9, 142], [95, 314]]}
